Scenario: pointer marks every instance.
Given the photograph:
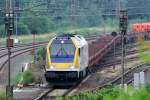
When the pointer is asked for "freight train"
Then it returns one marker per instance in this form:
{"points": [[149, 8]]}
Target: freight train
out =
{"points": [[69, 56]]}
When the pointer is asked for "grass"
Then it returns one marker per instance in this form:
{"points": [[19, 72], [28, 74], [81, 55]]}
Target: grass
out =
{"points": [[113, 93], [2, 95], [144, 56], [29, 38]]}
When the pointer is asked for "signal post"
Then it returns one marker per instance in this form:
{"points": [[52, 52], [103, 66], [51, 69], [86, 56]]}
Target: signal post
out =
{"points": [[123, 31], [9, 27]]}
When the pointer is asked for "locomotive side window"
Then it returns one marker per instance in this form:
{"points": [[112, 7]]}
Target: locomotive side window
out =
{"points": [[62, 51], [79, 51]]}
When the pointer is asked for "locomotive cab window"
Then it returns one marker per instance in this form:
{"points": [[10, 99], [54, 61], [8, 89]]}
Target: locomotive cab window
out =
{"points": [[62, 51]]}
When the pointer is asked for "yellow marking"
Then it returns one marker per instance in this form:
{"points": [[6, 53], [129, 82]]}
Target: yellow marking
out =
{"points": [[76, 56], [48, 59], [62, 65]]}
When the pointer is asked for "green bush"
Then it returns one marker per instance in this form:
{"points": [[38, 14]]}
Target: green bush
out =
{"points": [[28, 77], [25, 77]]}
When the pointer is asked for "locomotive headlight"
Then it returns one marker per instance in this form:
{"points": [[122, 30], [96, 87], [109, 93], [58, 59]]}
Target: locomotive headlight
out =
{"points": [[62, 42], [72, 67], [51, 67]]}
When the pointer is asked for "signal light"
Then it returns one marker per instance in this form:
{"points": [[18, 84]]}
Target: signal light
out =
{"points": [[123, 22], [9, 23]]}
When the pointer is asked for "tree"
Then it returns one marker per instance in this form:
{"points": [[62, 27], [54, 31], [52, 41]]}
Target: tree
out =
{"points": [[41, 24], [22, 29]]}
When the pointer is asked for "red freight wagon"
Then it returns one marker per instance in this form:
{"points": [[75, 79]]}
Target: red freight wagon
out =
{"points": [[100, 47], [141, 29]]}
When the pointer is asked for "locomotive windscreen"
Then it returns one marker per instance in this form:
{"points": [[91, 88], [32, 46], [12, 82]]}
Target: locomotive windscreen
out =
{"points": [[62, 51]]}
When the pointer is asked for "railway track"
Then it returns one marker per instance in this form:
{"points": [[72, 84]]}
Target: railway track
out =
{"points": [[51, 94], [22, 45], [43, 94], [20, 50], [128, 77]]}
